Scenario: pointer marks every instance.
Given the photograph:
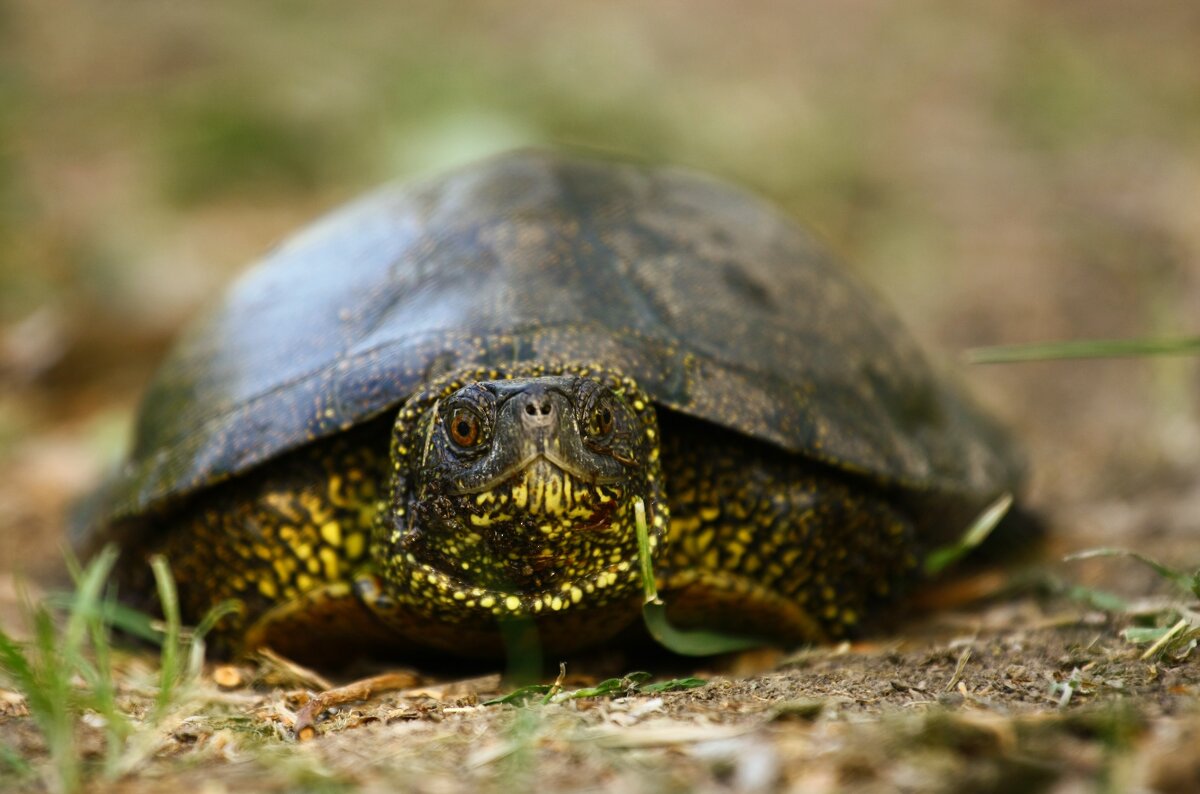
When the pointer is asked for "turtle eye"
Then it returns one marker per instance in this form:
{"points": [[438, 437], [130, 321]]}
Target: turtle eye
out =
{"points": [[599, 413], [463, 426], [602, 420]]}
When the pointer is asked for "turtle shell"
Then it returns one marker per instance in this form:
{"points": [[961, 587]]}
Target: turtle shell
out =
{"points": [[716, 303]]}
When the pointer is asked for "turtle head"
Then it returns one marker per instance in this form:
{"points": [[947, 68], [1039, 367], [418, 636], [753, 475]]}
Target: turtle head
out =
{"points": [[513, 494]]}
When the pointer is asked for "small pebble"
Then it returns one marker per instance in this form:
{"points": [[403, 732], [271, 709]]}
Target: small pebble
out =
{"points": [[227, 676]]}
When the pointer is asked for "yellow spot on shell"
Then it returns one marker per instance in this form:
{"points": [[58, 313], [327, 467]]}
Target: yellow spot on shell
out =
{"points": [[354, 545], [512, 603], [267, 588], [331, 533]]}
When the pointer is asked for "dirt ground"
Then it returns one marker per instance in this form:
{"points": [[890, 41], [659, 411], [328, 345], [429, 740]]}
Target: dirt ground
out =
{"points": [[1023, 172]]}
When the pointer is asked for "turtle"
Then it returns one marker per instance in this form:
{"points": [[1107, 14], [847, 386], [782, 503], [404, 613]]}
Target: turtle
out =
{"points": [[436, 413]]}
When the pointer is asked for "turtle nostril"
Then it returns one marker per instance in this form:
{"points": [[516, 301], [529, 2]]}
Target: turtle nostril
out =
{"points": [[537, 407]]}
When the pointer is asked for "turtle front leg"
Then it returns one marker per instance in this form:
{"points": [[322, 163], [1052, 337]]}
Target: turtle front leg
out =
{"points": [[764, 544], [327, 625], [277, 540]]}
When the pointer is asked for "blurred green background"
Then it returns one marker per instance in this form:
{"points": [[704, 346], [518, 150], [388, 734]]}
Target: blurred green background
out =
{"points": [[1012, 171]]}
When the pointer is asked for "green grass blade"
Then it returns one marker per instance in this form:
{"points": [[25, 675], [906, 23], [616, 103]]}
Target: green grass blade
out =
{"points": [[520, 695], [1184, 581], [15, 667], [48, 669], [674, 685], [55, 706], [1144, 635], [1083, 348], [228, 607], [645, 563], [88, 593], [690, 642], [942, 558], [609, 686], [117, 726], [112, 613], [693, 642], [171, 659], [1098, 599], [195, 660]]}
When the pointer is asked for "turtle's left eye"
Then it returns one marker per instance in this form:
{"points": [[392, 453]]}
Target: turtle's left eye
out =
{"points": [[463, 427], [602, 420], [601, 417]]}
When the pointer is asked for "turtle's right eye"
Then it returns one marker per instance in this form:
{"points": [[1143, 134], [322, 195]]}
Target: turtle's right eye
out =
{"points": [[463, 425], [601, 423]]}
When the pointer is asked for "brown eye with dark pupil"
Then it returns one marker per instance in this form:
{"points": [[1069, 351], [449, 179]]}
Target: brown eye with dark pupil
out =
{"points": [[604, 421], [464, 429]]}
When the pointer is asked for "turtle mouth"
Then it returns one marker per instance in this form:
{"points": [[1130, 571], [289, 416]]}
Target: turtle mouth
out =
{"points": [[539, 535], [542, 490], [544, 464]]}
